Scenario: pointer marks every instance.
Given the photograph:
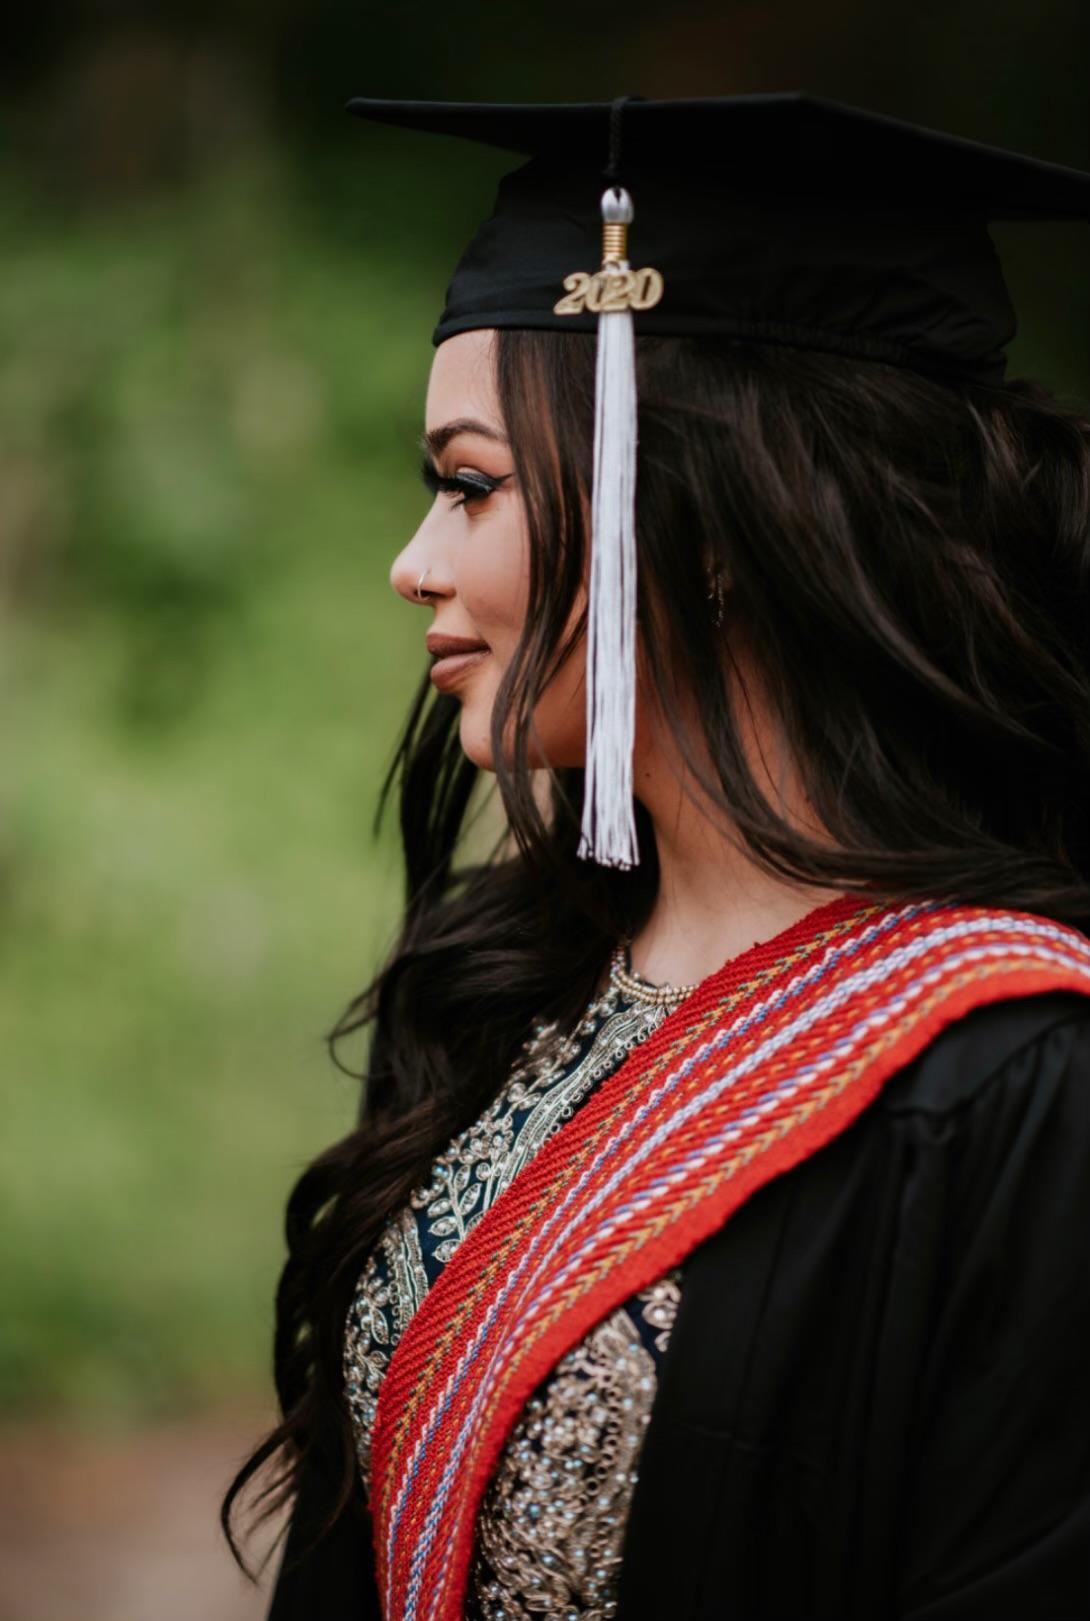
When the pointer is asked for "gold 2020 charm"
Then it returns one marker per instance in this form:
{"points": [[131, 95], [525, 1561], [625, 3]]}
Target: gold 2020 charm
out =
{"points": [[613, 289], [615, 286]]}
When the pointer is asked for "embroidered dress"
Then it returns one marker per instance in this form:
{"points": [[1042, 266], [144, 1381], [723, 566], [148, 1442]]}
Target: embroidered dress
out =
{"points": [[551, 1525]]}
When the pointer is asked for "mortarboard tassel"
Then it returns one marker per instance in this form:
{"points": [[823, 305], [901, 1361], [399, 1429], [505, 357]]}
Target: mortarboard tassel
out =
{"points": [[608, 833], [609, 823], [609, 826]]}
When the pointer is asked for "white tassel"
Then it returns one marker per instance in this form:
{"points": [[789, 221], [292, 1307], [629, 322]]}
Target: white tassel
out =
{"points": [[609, 824]]}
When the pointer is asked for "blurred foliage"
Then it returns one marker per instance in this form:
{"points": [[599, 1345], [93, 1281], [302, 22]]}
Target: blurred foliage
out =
{"points": [[215, 318], [208, 423]]}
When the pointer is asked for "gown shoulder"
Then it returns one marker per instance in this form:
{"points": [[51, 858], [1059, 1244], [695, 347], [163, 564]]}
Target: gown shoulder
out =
{"points": [[1011, 1043], [875, 1401]]}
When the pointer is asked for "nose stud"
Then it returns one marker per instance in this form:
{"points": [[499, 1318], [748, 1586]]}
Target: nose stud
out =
{"points": [[418, 592]]}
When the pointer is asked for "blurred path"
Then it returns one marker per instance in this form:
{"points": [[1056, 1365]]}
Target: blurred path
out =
{"points": [[123, 1527]]}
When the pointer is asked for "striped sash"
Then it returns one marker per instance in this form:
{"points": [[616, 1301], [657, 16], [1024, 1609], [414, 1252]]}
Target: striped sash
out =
{"points": [[766, 1061]]}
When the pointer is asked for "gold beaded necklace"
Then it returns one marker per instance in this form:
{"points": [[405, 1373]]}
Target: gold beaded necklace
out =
{"points": [[639, 990]]}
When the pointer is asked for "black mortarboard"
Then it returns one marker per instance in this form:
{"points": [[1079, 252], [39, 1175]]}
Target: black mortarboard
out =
{"points": [[785, 218]]}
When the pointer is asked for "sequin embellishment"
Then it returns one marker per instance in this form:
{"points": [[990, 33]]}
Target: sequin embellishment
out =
{"points": [[552, 1520]]}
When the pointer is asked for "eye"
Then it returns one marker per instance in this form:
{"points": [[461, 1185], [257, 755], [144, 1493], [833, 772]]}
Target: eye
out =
{"points": [[471, 487]]}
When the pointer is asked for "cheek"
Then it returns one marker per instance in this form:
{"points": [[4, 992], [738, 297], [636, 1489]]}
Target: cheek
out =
{"points": [[492, 581]]}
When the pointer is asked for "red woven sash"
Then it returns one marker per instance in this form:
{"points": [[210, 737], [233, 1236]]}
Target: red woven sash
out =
{"points": [[766, 1061]]}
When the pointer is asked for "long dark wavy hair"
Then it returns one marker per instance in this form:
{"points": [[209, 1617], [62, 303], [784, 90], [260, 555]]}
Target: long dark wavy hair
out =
{"points": [[910, 566]]}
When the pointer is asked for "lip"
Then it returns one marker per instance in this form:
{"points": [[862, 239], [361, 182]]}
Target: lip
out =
{"points": [[447, 671], [439, 645]]}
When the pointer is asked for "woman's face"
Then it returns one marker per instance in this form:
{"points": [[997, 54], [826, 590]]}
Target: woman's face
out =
{"points": [[476, 554]]}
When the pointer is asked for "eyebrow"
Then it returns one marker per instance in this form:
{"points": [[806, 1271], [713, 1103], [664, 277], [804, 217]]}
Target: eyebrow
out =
{"points": [[437, 440]]}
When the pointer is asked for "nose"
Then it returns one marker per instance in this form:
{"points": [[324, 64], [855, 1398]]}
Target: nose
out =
{"points": [[418, 575]]}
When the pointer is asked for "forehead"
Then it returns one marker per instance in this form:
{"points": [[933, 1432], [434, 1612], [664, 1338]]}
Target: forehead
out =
{"points": [[461, 381]]}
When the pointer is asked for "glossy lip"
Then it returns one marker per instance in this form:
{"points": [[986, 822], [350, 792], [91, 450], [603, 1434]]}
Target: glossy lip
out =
{"points": [[447, 671], [439, 646]]}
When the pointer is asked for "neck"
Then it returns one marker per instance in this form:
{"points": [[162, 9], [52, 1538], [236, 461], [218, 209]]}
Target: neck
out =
{"points": [[712, 904], [713, 901]]}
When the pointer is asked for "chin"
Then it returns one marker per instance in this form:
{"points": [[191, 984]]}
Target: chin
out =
{"points": [[556, 745], [473, 736]]}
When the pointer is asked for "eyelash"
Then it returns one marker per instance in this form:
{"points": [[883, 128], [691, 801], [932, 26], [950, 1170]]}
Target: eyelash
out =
{"points": [[470, 489]]}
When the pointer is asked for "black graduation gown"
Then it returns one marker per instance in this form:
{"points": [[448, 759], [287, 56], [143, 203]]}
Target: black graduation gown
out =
{"points": [[875, 1401]]}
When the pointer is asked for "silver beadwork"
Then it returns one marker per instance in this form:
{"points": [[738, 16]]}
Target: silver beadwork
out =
{"points": [[639, 991]]}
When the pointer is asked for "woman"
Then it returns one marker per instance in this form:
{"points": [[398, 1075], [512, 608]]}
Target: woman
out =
{"points": [[713, 1241]]}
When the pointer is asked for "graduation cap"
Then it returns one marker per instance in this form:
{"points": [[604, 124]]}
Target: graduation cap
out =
{"points": [[784, 218]]}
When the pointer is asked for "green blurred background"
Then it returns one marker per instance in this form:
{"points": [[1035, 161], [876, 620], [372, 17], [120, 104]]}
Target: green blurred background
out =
{"points": [[216, 303]]}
